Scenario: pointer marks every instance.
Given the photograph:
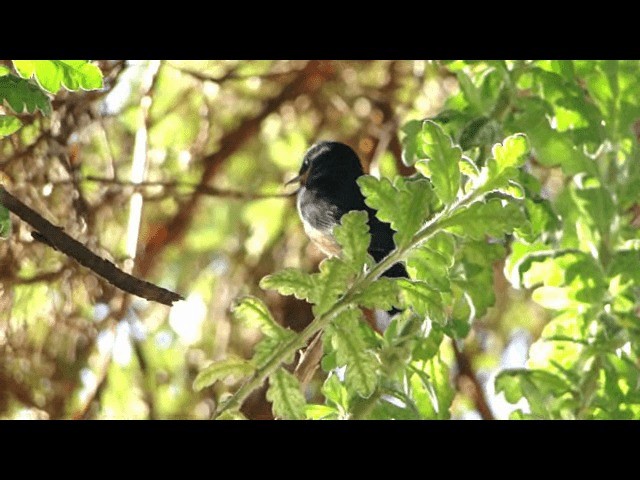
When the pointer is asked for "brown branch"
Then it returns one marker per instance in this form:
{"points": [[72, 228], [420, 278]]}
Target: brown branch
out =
{"points": [[197, 187], [232, 74], [476, 391], [309, 361], [307, 80], [58, 239]]}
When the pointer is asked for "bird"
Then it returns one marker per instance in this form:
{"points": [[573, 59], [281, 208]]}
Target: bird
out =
{"points": [[328, 189]]}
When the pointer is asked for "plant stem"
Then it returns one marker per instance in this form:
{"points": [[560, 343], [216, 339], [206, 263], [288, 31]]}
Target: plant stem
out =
{"points": [[299, 341]]}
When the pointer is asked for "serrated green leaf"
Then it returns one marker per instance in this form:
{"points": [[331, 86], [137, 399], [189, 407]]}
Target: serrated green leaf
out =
{"points": [[382, 293], [512, 152], [5, 223], [253, 312], [229, 367], [265, 348], [329, 284], [442, 161], [348, 340], [9, 125], [405, 204], [428, 346], [22, 95], [421, 298], [52, 74], [430, 262], [289, 281], [471, 92], [479, 219], [333, 390], [321, 412], [411, 129], [479, 132], [432, 390], [285, 395], [548, 395], [596, 206], [353, 236], [542, 220]]}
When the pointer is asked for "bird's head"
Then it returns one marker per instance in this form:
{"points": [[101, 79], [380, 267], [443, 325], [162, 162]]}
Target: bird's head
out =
{"points": [[328, 162]]}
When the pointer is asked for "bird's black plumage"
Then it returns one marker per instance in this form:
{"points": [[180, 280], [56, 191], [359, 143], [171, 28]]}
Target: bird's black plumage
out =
{"points": [[329, 190]]}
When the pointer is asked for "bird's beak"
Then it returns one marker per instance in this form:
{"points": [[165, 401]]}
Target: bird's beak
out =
{"points": [[302, 178]]}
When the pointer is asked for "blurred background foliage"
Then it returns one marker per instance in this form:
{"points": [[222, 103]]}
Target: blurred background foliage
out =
{"points": [[218, 140]]}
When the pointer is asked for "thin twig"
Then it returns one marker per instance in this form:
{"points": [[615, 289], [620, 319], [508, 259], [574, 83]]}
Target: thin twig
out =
{"points": [[195, 187]]}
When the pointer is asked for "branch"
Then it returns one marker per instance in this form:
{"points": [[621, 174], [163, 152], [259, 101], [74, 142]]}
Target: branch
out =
{"points": [[196, 187], [289, 348], [477, 394], [309, 361], [58, 239]]}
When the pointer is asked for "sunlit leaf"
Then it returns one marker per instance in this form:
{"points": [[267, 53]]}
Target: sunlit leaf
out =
{"points": [[494, 218], [52, 74], [442, 163], [9, 125], [253, 312], [285, 395], [345, 334], [289, 281], [404, 204], [230, 367], [382, 293], [353, 236]]}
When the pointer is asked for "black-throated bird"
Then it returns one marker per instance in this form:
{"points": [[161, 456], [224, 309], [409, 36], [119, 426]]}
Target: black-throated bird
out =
{"points": [[328, 190]]}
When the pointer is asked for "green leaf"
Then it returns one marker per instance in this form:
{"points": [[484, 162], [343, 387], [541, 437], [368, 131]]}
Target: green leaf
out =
{"points": [[285, 395], [405, 205], [512, 152], [4, 70], [52, 74], [5, 223], [254, 313], [353, 236], [329, 284], [595, 205], [479, 132], [543, 221], [432, 390], [548, 395], [265, 348], [442, 163], [321, 412], [431, 261], [382, 294], [229, 367], [348, 340], [333, 390], [494, 218], [471, 92], [421, 298], [410, 149], [289, 281], [22, 95], [9, 125]]}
